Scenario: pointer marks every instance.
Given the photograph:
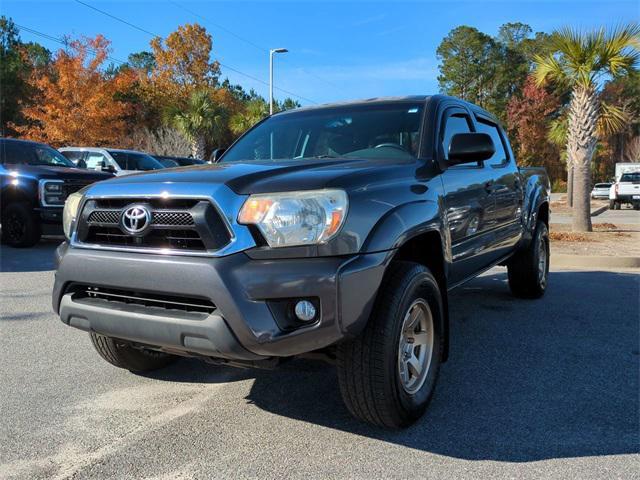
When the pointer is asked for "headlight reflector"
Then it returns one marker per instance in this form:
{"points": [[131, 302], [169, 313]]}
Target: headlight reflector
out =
{"points": [[70, 212], [296, 218]]}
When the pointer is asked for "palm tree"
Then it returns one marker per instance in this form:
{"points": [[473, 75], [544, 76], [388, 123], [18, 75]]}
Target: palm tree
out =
{"points": [[255, 110], [201, 118], [611, 121], [579, 64]]}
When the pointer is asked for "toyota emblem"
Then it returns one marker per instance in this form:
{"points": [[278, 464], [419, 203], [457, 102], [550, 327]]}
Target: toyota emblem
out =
{"points": [[136, 219]]}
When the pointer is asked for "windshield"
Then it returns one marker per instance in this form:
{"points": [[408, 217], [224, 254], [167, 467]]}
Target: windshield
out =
{"points": [[43, 155], [630, 177], [14, 152], [365, 131], [168, 162], [135, 161]]}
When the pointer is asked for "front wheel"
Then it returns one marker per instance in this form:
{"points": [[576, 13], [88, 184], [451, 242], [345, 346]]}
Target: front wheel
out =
{"points": [[20, 227], [528, 269], [388, 374], [123, 355]]}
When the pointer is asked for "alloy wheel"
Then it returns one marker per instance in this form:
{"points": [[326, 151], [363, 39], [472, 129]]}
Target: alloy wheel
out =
{"points": [[415, 348]]}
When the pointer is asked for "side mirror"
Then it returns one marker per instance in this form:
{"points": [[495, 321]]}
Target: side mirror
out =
{"points": [[217, 154], [470, 147], [108, 168]]}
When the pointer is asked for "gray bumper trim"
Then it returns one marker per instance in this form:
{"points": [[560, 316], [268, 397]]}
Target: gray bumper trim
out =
{"points": [[208, 336]]}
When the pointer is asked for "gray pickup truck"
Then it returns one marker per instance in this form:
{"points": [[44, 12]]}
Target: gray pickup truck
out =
{"points": [[333, 232]]}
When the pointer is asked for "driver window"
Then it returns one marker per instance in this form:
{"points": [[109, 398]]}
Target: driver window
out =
{"points": [[95, 161], [456, 123]]}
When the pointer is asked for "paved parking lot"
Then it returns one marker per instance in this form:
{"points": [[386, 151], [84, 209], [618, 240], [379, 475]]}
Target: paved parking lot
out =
{"points": [[545, 388], [626, 216]]}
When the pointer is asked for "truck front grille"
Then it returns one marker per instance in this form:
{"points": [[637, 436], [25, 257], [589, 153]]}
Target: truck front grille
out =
{"points": [[72, 187], [159, 218], [176, 224]]}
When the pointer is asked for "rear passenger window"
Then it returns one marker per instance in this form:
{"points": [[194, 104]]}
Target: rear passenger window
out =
{"points": [[500, 158]]}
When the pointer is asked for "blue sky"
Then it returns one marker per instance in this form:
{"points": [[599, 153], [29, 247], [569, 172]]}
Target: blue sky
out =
{"points": [[338, 50]]}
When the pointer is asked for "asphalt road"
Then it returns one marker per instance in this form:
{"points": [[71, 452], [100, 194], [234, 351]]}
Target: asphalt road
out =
{"points": [[545, 388], [626, 216]]}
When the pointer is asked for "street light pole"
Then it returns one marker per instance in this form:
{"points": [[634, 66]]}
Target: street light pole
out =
{"points": [[271, 52]]}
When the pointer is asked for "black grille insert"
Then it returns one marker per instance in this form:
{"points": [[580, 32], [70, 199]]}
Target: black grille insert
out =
{"points": [[176, 224], [155, 302]]}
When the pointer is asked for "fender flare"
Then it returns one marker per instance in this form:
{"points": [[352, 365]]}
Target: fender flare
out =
{"points": [[402, 223], [537, 196]]}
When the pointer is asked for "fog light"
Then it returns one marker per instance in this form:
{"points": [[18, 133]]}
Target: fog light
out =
{"points": [[305, 311]]}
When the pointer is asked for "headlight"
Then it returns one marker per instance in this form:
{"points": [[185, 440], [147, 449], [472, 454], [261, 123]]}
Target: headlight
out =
{"points": [[296, 218], [70, 212], [51, 193]]}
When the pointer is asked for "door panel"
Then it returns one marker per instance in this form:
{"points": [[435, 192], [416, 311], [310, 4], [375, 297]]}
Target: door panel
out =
{"points": [[506, 190], [469, 204]]}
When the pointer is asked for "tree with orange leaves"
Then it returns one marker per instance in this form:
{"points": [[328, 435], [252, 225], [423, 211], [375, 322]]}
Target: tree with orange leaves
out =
{"points": [[76, 102], [183, 64]]}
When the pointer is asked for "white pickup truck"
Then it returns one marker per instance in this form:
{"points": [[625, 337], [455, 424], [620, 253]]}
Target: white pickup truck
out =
{"points": [[626, 189]]}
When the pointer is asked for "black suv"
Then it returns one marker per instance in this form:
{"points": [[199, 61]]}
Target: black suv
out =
{"points": [[35, 181]]}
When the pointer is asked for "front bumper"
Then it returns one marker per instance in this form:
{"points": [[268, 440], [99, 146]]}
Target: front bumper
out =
{"points": [[242, 326], [50, 220], [628, 198]]}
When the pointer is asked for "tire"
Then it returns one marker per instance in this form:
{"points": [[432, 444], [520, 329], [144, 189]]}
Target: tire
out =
{"points": [[636, 206], [617, 206], [369, 370], [20, 227], [122, 355], [527, 270]]}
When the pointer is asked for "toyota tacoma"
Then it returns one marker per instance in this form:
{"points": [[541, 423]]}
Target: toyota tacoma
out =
{"points": [[333, 231]]}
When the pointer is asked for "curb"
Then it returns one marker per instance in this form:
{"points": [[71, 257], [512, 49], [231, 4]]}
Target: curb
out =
{"points": [[593, 261], [598, 211]]}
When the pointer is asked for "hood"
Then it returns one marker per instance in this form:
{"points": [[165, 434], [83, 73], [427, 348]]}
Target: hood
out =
{"points": [[58, 173], [277, 176]]}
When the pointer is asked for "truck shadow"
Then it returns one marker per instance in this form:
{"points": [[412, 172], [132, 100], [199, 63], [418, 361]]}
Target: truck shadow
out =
{"points": [[526, 380], [39, 258]]}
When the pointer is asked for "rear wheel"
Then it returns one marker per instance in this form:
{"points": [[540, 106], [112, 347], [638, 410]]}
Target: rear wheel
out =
{"points": [[528, 269], [617, 206], [20, 227], [123, 355], [388, 374]]}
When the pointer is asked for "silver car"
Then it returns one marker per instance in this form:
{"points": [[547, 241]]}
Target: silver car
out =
{"points": [[119, 162], [601, 190]]}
